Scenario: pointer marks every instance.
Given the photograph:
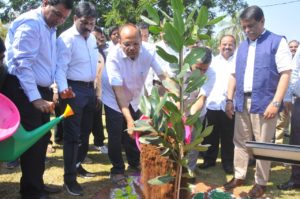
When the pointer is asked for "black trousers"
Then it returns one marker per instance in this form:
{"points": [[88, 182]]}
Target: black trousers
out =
{"points": [[33, 160], [97, 128], [295, 137], [118, 137], [222, 131], [77, 127]]}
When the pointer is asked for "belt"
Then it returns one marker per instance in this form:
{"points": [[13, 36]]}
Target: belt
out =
{"points": [[248, 94], [82, 83], [44, 89]]}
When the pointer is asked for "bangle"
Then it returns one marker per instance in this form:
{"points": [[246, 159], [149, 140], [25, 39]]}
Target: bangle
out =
{"points": [[229, 100]]}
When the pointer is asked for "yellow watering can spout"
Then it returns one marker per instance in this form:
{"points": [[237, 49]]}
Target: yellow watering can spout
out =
{"points": [[14, 146]]}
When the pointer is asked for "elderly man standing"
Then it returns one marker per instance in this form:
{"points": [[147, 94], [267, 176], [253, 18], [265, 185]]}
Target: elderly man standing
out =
{"points": [[123, 79], [260, 80], [31, 61], [76, 71], [222, 64]]}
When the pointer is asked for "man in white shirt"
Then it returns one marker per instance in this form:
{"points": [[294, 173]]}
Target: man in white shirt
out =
{"points": [[259, 82], [123, 79], [294, 89], [216, 116], [76, 70]]}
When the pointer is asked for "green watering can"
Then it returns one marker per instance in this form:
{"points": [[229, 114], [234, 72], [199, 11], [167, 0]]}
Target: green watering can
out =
{"points": [[14, 139]]}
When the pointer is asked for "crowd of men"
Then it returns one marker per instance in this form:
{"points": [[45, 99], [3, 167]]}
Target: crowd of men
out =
{"points": [[248, 85]]}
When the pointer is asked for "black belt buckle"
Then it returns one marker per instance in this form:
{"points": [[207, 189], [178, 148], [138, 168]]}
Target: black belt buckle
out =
{"points": [[248, 94]]}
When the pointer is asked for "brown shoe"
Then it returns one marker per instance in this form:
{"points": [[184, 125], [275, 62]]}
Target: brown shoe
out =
{"points": [[257, 191], [233, 183]]}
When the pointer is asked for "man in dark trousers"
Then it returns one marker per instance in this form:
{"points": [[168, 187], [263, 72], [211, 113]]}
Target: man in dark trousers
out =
{"points": [[76, 71], [294, 182], [31, 62]]}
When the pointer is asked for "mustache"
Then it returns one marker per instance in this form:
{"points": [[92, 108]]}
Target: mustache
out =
{"points": [[86, 30]]}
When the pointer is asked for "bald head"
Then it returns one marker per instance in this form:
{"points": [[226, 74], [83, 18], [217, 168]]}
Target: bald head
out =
{"points": [[130, 40]]}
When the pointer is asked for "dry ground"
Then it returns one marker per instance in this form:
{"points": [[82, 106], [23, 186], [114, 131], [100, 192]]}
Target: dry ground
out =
{"points": [[213, 177]]}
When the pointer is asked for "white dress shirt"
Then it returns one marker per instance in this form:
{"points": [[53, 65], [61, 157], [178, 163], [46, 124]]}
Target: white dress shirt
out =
{"points": [[222, 67], [77, 58], [204, 90], [282, 59], [121, 70], [294, 87], [31, 52]]}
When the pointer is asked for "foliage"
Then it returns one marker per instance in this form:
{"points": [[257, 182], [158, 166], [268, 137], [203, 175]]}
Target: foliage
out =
{"points": [[168, 120], [3, 31], [112, 12]]}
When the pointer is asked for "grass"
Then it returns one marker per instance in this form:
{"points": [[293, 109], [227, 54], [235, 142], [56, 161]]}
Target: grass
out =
{"points": [[9, 179]]}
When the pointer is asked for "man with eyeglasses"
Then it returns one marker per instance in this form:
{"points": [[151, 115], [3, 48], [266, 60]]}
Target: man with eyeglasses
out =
{"points": [[260, 80], [31, 62], [123, 79], [76, 71]]}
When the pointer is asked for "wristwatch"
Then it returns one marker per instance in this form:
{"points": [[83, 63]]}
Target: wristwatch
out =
{"points": [[276, 104]]}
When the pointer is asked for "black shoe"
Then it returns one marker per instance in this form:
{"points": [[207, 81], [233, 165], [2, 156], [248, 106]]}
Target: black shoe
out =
{"points": [[51, 190], [74, 189], [206, 165], [84, 173], [44, 197], [228, 169], [288, 186]]}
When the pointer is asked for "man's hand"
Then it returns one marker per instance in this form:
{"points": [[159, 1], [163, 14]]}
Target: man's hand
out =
{"points": [[270, 112], [229, 109], [67, 93], [55, 98], [287, 107], [130, 126], [44, 105]]}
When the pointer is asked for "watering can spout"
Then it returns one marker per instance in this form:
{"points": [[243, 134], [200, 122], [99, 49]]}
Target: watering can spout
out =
{"points": [[22, 140]]}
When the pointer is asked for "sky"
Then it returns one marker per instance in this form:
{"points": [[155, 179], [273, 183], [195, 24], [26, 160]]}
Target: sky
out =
{"points": [[282, 19]]}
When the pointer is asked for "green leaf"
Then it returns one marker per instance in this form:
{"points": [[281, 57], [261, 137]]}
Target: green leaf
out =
{"points": [[177, 5], [172, 36], [165, 14], [201, 148], [207, 131], [202, 18], [166, 56], [194, 56], [159, 180], [152, 13], [193, 118], [184, 70], [161, 104], [190, 18], [179, 129], [155, 29], [155, 95], [203, 37], [145, 106], [165, 152], [195, 84], [148, 21], [170, 85], [189, 41], [178, 22], [175, 114], [155, 140], [198, 140], [216, 20], [142, 126], [174, 97]]}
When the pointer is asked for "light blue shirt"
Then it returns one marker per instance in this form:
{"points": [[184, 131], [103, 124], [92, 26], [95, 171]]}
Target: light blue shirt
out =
{"points": [[294, 86], [77, 58], [31, 52]]}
